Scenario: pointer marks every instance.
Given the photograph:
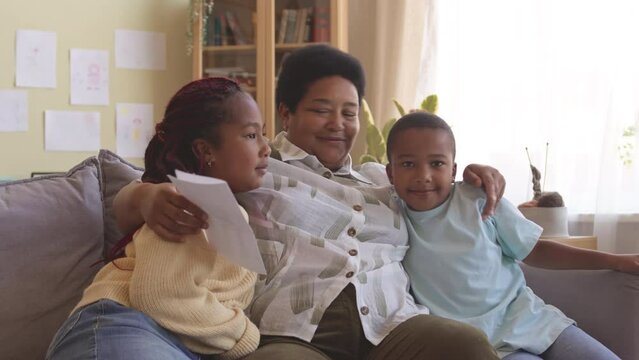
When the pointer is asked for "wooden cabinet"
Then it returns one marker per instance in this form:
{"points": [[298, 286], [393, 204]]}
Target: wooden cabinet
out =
{"points": [[247, 40]]}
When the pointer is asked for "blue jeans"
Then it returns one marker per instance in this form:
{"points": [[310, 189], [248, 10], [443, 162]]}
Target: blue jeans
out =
{"points": [[572, 344], [108, 330]]}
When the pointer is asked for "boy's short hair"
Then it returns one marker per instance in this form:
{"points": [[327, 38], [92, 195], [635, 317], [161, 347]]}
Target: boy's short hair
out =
{"points": [[419, 119], [306, 65]]}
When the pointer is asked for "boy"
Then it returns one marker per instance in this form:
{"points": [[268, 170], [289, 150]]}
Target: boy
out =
{"points": [[464, 267]]}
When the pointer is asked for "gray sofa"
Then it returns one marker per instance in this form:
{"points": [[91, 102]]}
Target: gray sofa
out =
{"points": [[55, 227]]}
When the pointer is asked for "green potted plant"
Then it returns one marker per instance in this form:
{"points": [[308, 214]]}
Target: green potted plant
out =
{"points": [[376, 138]]}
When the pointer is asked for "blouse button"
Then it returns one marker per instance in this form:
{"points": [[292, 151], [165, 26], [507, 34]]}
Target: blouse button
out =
{"points": [[350, 274], [364, 310], [351, 232], [352, 252], [357, 207]]}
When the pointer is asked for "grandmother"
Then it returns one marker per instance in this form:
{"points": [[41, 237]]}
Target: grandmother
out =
{"points": [[331, 237]]}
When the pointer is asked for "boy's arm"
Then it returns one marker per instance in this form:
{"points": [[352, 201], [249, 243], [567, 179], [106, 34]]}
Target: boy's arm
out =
{"points": [[491, 180], [553, 255], [161, 207]]}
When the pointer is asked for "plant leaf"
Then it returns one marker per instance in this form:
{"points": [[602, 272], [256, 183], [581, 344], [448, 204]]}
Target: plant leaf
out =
{"points": [[367, 114], [430, 104], [399, 107], [387, 127], [367, 158], [375, 142]]}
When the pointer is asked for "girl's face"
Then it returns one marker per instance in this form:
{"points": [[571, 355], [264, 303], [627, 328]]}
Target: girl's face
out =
{"points": [[326, 120], [422, 167], [242, 157]]}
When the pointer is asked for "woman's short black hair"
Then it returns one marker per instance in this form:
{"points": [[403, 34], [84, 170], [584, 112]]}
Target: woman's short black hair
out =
{"points": [[304, 66], [418, 119]]}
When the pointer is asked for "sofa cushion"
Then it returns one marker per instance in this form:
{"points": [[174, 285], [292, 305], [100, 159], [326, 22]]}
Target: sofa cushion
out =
{"points": [[52, 232], [116, 172], [604, 303]]}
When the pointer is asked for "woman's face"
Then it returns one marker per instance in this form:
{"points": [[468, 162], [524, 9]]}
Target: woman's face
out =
{"points": [[326, 120]]}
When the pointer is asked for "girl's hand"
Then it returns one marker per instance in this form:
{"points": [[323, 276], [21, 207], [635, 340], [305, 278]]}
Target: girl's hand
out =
{"points": [[490, 180], [627, 263], [170, 214]]}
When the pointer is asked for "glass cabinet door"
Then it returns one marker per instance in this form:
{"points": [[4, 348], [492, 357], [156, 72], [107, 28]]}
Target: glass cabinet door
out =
{"points": [[229, 46], [247, 40]]}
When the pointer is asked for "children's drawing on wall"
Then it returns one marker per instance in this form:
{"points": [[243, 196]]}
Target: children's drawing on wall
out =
{"points": [[36, 58], [71, 130], [134, 128], [13, 111], [89, 77]]}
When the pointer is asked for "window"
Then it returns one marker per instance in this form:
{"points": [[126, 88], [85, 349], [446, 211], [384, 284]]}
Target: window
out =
{"points": [[517, 74]]}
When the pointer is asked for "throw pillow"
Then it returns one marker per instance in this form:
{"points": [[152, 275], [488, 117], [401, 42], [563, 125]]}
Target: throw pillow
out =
{"points": [[116, 173], [52, 232]]}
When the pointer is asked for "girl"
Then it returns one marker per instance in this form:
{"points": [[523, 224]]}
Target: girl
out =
{"points": [[170, 300]]}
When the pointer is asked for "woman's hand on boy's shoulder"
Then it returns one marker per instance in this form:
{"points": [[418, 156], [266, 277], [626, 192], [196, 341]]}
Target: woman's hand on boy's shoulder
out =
{"points": [[491, 180], [170, 214]]}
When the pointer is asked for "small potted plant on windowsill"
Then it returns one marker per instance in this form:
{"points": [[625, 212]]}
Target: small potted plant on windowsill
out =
{"points": [[546, 209]]}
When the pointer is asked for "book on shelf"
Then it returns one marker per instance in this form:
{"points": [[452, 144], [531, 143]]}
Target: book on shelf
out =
{"points": [[245, 78], [321, 21], [213, 36], [295, 26], [224, 33], [218, 32], [234, 26], [281, 35], [308, 26], [291, 26], [301, 23]]}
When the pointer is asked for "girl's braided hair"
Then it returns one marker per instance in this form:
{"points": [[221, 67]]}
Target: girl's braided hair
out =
{"points": [[196, 111]]}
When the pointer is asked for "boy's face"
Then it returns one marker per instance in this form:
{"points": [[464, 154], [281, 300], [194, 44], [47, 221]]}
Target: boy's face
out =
{"points": [[422, 167], [242, 157]]}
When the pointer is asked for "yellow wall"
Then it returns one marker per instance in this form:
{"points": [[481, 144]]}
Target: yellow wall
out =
{"points": [[87, 24]]}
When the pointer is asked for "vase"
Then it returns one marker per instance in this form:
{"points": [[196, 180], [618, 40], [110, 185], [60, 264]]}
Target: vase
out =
{"points": [[554, 220]]}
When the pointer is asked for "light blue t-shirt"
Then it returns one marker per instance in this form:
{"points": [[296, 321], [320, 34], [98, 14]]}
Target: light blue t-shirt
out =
{"points": [[466, 269]]}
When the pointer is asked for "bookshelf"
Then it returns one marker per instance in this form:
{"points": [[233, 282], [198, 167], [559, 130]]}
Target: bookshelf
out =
{"points": [[246, 40]]}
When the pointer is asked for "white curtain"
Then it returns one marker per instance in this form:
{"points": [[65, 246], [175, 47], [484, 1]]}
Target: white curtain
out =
{"points": [[527, 73], [388, 38]]}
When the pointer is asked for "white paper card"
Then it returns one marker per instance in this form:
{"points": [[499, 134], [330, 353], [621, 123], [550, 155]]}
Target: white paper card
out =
{"points": [[71, 130], [228, 232], [89, 77], [36, 58], [140, 50], [134, 128], [14, 114]]}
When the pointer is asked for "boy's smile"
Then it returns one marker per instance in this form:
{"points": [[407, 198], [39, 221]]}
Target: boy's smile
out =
{"points": [[422, 167]]}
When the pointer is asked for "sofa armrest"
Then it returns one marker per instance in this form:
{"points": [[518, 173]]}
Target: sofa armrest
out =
{"points": [[604, 303]]}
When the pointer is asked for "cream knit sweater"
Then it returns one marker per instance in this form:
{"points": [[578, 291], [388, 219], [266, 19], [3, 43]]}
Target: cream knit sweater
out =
{"points": [[187, 288]]}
